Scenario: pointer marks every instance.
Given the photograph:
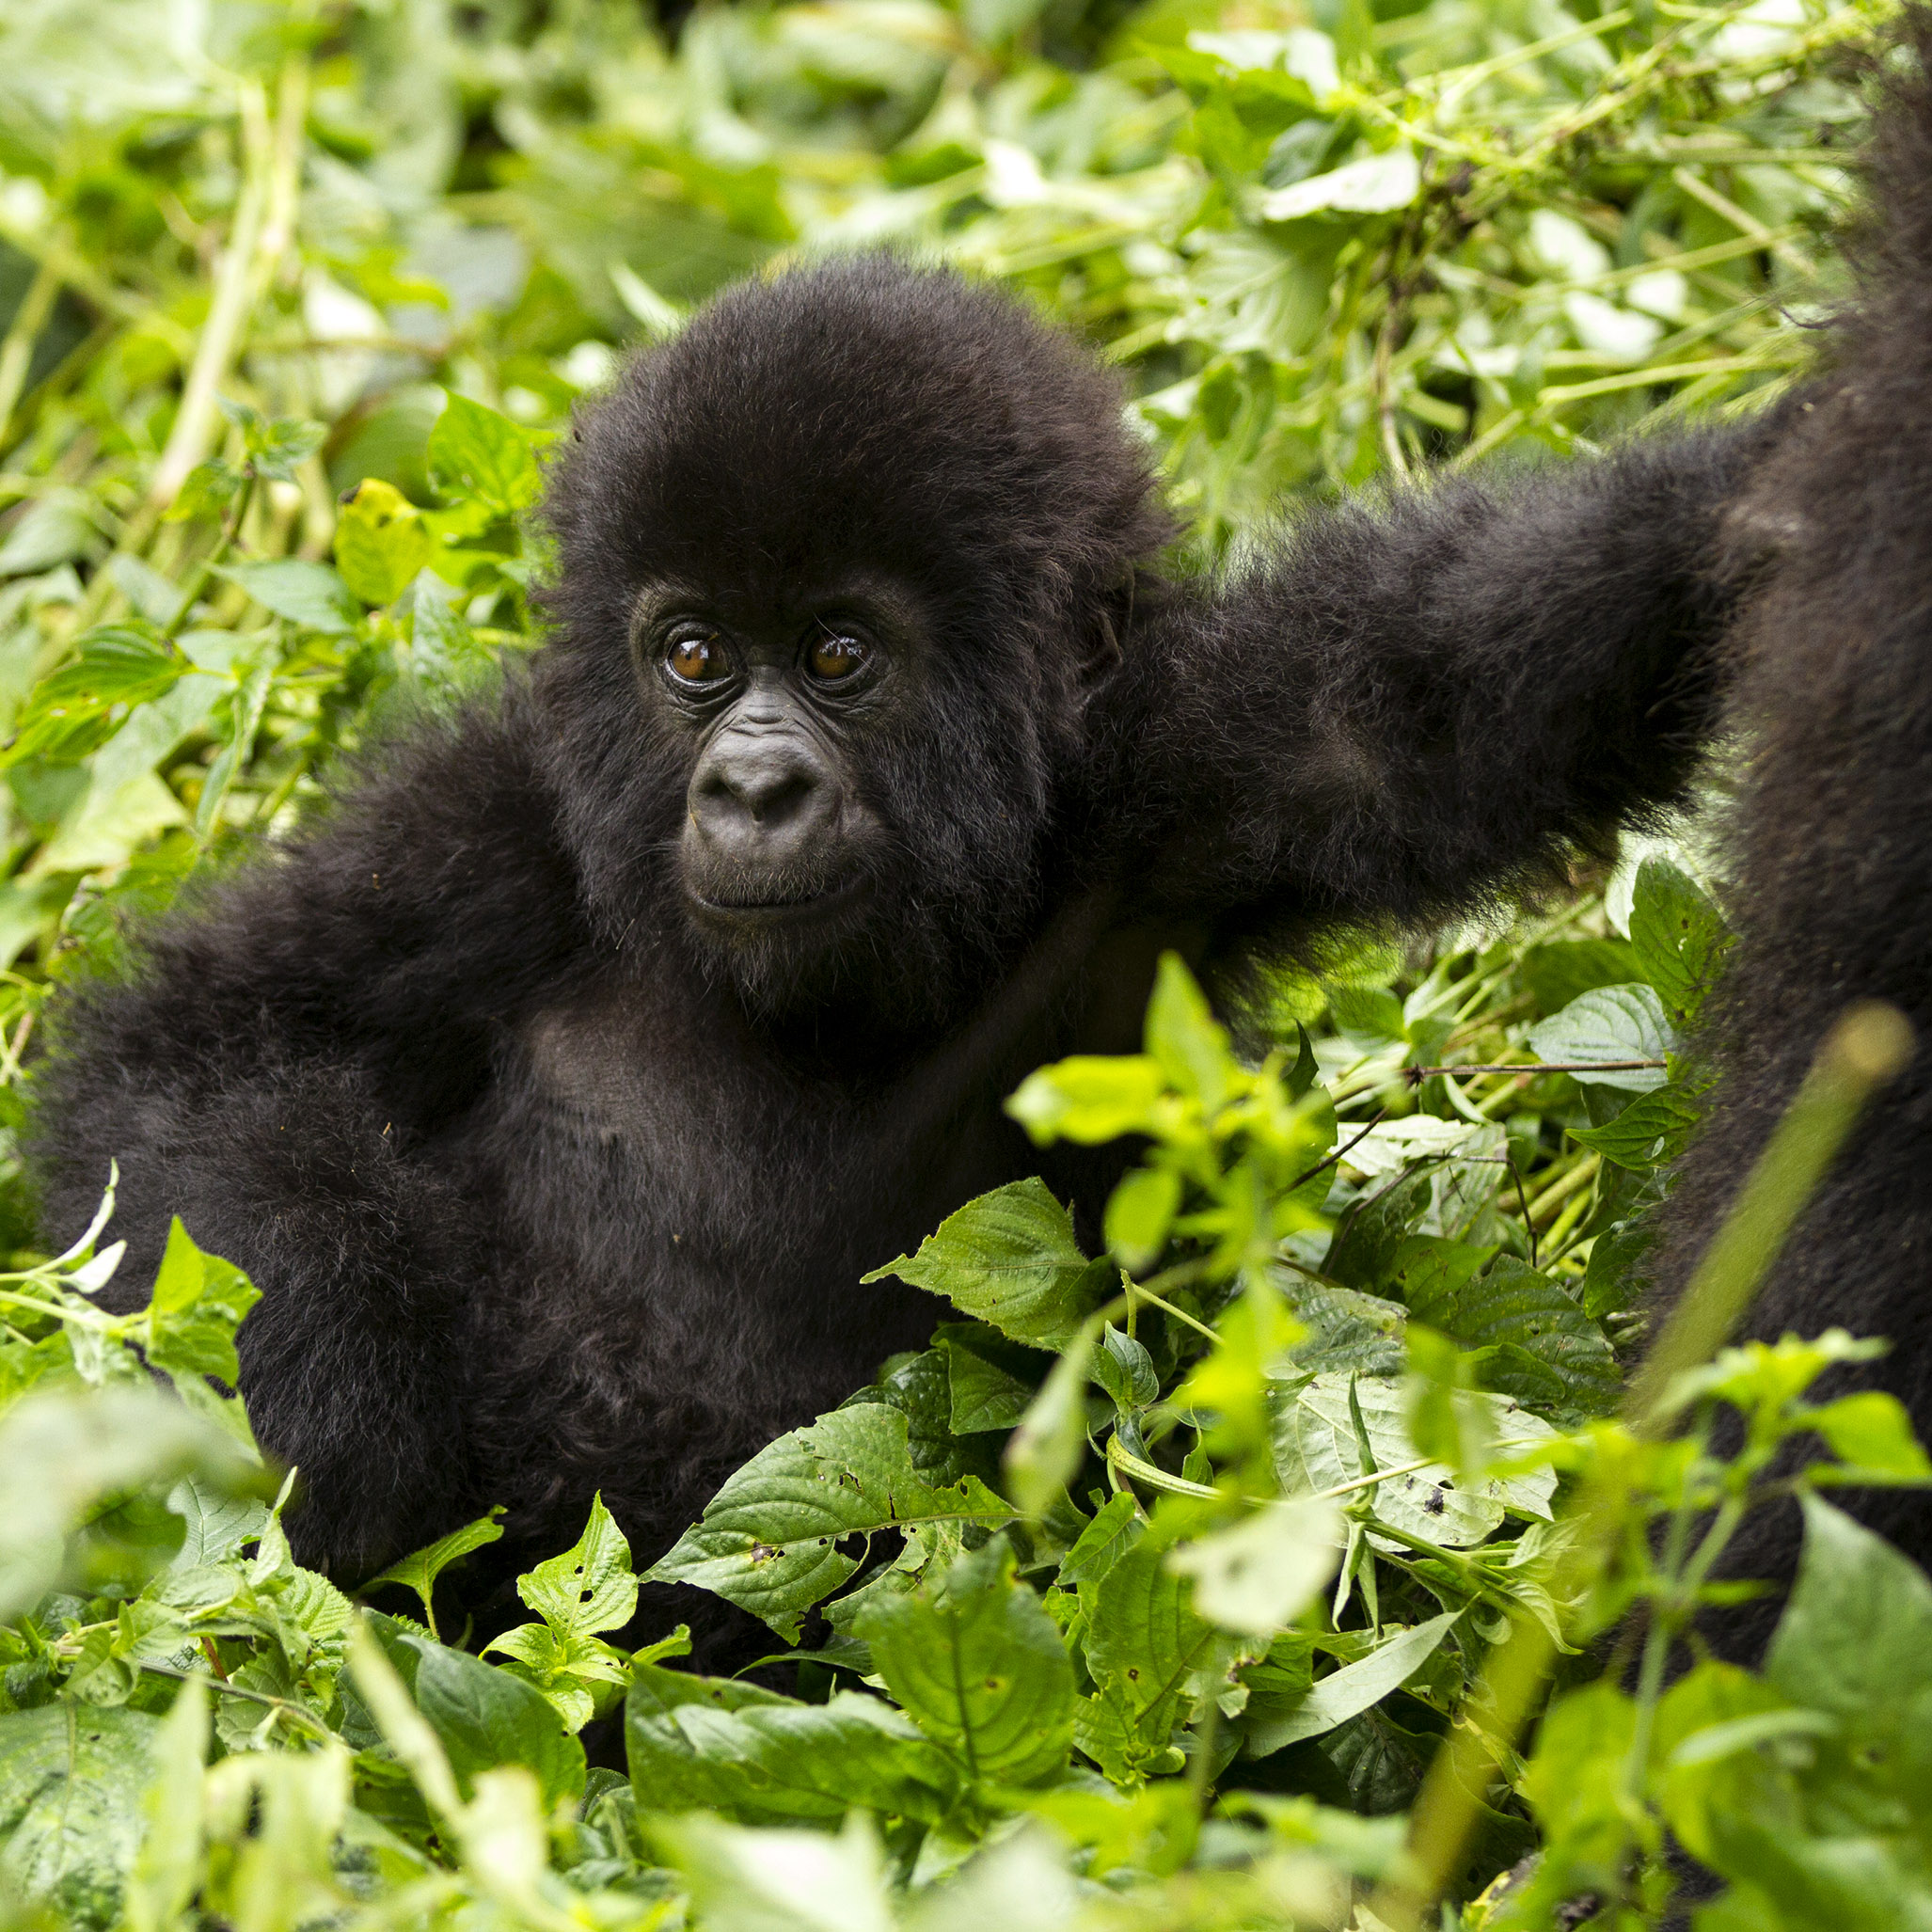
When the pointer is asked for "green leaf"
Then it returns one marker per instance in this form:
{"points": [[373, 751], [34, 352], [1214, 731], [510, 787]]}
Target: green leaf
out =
{"points": [[380, 542], [1184, 1040], [1089, 1098], [1140, 1213], [476, 453], [590, 1588], [1557, 972], [990, 1379], [483, 1717], [1125, 1370], [1679, 937], [768, 1540], [199, 1302], [1260, 1576], [1009, 1258], [1871, 1432], [167, 1867], [718, 1745], [1316, 1449], [419, 1570], [1653, 1129], [69, 712], [1114, 1529], [976, 1663], [310, 595], [1351, 1690], [1611, 1023], [1852, 1643], [1144, 1643], [1513, 1303], [777, 1881], [1044, 1453], [72, 1782]]}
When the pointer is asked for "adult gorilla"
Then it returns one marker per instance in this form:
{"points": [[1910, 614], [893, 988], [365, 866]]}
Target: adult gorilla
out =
{"points": [[558, 1088]]}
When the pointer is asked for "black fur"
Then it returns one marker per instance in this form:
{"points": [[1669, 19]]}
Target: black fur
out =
{"points": [[1830, 854], [547, 1185]]}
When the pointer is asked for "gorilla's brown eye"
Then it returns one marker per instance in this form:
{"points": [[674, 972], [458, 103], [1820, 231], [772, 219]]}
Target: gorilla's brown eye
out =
{"points": [[835, 655], [697, 659]]}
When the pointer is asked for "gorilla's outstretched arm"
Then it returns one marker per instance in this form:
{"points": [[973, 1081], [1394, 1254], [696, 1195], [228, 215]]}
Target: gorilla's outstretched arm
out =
{"points": [[1418, 702]]}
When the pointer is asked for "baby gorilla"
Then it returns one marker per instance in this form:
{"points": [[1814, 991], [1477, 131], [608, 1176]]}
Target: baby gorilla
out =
{"points": [[559, 1085]]}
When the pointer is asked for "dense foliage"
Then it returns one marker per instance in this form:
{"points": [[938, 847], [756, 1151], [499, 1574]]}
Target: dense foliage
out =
{"points": [[1149, 1592]]}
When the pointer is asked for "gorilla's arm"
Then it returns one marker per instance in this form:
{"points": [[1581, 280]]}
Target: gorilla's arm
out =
{"points": [[270, 1073], [1417, 703]]}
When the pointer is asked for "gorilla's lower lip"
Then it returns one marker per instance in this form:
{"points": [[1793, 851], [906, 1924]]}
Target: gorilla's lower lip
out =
{"points": [[770, 909]]}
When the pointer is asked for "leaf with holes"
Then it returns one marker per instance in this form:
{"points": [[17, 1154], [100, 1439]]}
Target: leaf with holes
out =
{"points": [[769, 1539]]}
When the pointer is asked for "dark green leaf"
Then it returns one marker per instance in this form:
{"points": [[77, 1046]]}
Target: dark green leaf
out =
{"points": [[711, 1742], [1009, 1258], [72, 1780], [1679, 937], [978, 1666]]}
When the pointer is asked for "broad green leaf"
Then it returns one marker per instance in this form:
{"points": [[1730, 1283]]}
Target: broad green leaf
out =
{"points": [[590, 1588], [419, 1570], [1144, 1643], [1513, 1303], [1089, 1098], [1679, 935], [1116, 1526], [1852, 1643], [1257, 1576], [714, 1744], [1605, 1028], [1558, 971], [768, 1540], [775, 1880], [308, 594], [1871, 1432], [1140, 1214], [477, 454], [1652, 1130], [1316, 1450], [69, 712], [483, 1717], [990, 1379], [976, 1663], [380, 542], [1186, 1040], [199, 1302], [64, 1451], [71, 1785], [1345, 1693], [1009, 1258], [216, 1525]]}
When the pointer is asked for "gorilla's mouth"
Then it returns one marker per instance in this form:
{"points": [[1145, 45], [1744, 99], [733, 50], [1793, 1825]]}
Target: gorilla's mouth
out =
{"points": [[788, 907]]}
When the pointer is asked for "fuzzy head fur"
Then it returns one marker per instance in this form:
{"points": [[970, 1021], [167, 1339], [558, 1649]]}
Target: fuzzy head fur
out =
{"points": [[862, 417]]}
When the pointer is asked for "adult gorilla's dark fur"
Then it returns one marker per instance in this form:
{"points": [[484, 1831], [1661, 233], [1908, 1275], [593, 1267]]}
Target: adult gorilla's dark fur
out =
{"points": [[1830, 847], [558, 1089]]}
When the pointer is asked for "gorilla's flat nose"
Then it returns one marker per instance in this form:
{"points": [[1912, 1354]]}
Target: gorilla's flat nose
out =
{"points": [[761, 793]]}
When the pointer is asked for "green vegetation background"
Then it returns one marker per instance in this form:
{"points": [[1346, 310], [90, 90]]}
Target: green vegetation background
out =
{"points": [[1177, 1567]]}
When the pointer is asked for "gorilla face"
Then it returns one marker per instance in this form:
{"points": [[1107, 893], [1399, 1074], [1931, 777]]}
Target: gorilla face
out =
{"points": [[780, 842], [834, 569]]}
